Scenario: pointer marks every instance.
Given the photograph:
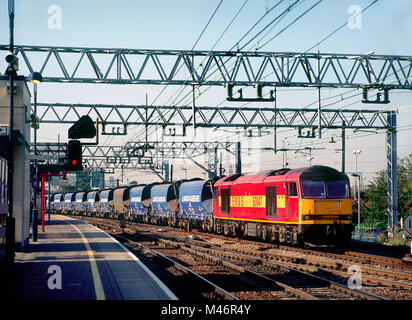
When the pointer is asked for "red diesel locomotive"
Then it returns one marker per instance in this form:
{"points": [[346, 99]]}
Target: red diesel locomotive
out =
{"points": [[294, 206], [307, 205]]}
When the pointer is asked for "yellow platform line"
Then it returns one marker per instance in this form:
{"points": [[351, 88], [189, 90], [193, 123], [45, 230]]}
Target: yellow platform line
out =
{"points": [[98, 286]]}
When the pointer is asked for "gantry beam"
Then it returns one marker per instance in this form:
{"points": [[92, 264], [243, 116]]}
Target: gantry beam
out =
{"points": [[174, 149], [182, 67], [214, 117], [133, 155]]}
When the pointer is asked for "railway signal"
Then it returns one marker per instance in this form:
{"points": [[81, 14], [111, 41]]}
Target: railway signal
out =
{"points": [[408, 228], [408, 224], [82, 128], [74, 155]]}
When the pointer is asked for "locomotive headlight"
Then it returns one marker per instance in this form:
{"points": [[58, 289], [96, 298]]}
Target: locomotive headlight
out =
{"points": [[307, 217]]}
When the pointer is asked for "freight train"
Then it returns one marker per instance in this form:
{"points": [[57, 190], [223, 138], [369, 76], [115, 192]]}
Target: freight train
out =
{"points": [[311, 204]]}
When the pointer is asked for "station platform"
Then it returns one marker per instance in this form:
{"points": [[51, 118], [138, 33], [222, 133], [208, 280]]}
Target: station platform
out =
{"points": [[73, 260]]}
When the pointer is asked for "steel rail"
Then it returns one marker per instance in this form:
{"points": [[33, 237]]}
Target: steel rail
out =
{"points": [[180, 266]]}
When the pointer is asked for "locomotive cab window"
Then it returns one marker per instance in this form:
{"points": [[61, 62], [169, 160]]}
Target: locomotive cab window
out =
{"points": [[271, 199], [225, 200], [313, 189], [337, 189], [292, 189]]}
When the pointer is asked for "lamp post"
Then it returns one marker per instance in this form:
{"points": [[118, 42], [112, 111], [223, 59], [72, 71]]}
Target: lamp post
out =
{"points": [[284, 155], [35, 78], [309, 158], [357, 153], [343, 145]]}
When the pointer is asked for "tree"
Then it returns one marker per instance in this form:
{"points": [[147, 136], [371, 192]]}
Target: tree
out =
{"points": [[374, 196]]}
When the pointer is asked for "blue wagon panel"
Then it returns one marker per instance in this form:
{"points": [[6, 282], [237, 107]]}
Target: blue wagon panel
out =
{"points": [[57, 201], [106, 200], [79, 205], [195, 199], [92, 200], [136, 204], [69, 201], [164, 200]]}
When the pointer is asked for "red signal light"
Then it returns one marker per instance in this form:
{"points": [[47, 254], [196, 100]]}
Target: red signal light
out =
{"points": [[74, 155]]}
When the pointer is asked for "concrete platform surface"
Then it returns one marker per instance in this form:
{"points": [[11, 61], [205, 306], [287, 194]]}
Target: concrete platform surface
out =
{"points": [[73, 260]]}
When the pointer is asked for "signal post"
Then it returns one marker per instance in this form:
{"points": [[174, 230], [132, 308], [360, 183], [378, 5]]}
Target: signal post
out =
{"points": [[408, 228], [84, 128], [43, 183]]}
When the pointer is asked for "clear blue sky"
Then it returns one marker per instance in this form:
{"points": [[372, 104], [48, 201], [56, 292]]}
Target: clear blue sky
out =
{"points": [[176, 24], [386, 29]]}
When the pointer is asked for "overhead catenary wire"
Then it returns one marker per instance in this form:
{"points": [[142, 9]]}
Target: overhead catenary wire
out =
{"points": [[274, 6], [297, 19], [292, 6], [325, 38], [328, 37], [193, 47], [288, 10], [199, 37], [278, 19], [282, 15], [224, 30], [217, 41]]}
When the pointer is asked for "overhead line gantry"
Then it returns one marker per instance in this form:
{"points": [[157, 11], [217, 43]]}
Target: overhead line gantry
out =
{"points": [[285, 69], [236, 68]]}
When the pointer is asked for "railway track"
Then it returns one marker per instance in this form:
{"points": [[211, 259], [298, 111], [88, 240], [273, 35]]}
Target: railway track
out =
{"points": [[398, 276], [249, 284], [193, 275], [302, 284], [356, 257], [285, 282], [351, 257], [244, 282], [382, 276], [376, 269]]}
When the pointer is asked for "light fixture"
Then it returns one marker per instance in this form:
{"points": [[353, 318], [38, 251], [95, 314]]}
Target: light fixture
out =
{"points": [[35, 77]]}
